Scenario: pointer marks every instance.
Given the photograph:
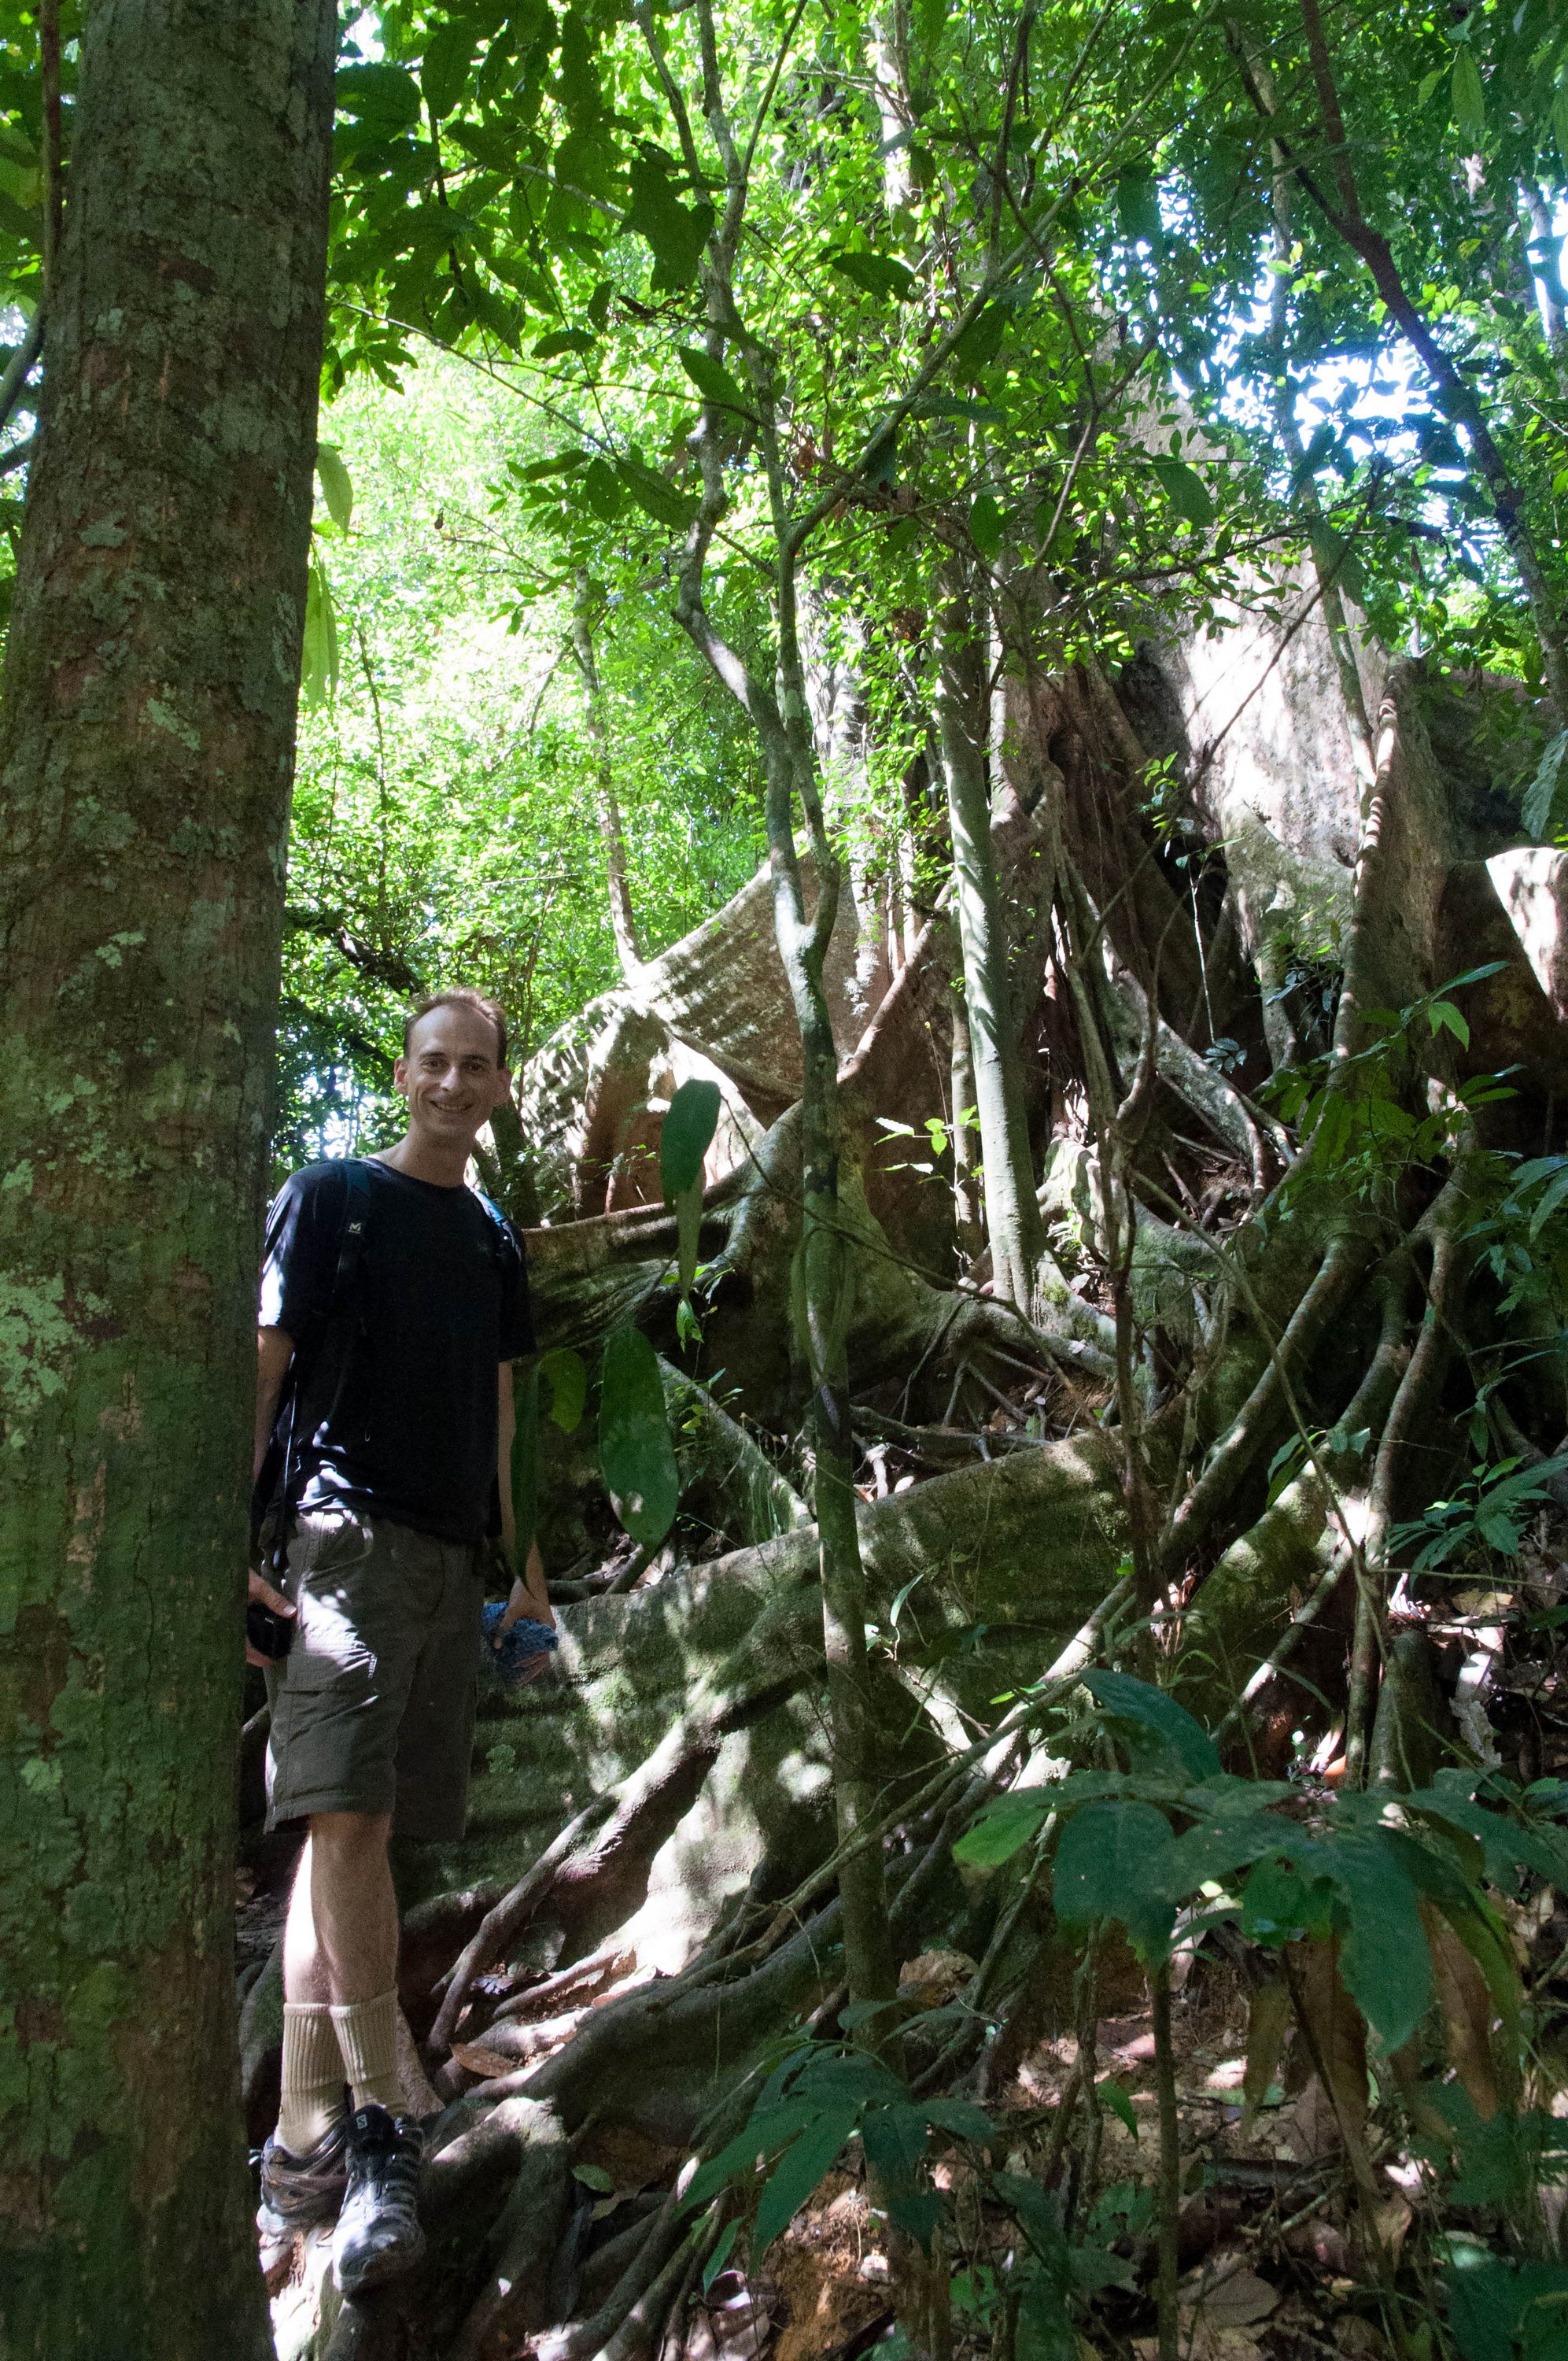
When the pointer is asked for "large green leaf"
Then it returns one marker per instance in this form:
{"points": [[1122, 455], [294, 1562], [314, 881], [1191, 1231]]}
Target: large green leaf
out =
{"points": [[654, 494], [878, 274], [448, 58], [1469, 98], [684, 1139], [713, 380], [1137, 205], [1108, 1864], [1002, 1831], [383, 98], [799, 2172], [676, 232], [337, 488], [1138, 1702], [635, 1451], [1546, 797], [1385, 1961], [1185, 489], [687, 1134], [318, 659]]}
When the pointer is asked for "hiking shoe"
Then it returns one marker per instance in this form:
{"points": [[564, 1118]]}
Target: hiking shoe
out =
{"points": [[378, 2235], [297, 2190]]}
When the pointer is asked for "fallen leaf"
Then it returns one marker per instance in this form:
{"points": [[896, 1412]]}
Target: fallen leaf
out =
{"points": [[475, 2059]]}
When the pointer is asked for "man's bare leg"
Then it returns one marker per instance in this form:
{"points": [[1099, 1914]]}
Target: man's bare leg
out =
{"points": [[340, 1961], [341, 1942]]}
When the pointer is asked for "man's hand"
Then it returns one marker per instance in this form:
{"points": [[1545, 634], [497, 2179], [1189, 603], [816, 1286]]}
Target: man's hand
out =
{"points": [[264, 1592], [527, 1597]]}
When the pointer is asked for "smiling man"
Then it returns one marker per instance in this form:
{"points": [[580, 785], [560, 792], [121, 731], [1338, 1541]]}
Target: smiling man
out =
{"points": [[393, 1303]]}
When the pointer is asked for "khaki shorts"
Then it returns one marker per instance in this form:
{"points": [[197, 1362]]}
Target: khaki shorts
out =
{"points": [[373, 1707]]}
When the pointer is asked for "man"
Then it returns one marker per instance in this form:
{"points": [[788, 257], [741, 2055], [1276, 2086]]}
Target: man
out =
{"points": [[394, 1433]]}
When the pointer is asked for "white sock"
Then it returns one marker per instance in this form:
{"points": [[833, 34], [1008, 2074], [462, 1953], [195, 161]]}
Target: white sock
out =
{"points": [[312, 2077], [367, 2036]]}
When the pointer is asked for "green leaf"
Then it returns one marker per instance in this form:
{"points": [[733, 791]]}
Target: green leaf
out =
{"points": [[1126, 1700], [337, 491], [318, 657], [676, 232], [1469, 100], [1385, 1962], [448, 58], [986, 524], [687, 1134], [594, 2175], [962, 2118], [1442, 1016], [1325, 441], [1137, 205], [579, 87], [635, 1450], [981, 341], [1185, 489], [654, 494], [564, 340], [1001, 1831], [763, 2135], [1560, 124], [601, 487], [877, 274], [1103, 1869], [720, 2254], [1119, 2100], [1045, 2330], [799, 2172], [1545, 804], [566, 1375], [1278, 1903], [713, 380], [384, 98]]}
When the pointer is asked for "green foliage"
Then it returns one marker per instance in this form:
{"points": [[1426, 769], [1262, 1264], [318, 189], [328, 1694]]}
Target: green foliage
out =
{"points": [[1497, 2309], [561, 1374], [1171, 1833], [684, 1139], [1486, 1511], [636, 1454]]}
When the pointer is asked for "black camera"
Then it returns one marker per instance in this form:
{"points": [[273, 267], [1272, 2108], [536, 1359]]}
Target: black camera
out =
{"points": [[270, 1634]]}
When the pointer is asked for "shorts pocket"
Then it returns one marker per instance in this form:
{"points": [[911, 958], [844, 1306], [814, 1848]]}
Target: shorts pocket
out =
{"points": [[311, 1670], [329, 1540]]}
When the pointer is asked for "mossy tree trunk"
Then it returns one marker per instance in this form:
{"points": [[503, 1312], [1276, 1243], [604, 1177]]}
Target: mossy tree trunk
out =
{"points": [[146, 759]]}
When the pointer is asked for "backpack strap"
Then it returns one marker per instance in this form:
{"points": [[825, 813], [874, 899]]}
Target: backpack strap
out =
{"points": [[503, 1243]]}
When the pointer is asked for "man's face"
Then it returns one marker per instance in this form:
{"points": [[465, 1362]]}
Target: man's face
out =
{"points": [[450, 1077]]}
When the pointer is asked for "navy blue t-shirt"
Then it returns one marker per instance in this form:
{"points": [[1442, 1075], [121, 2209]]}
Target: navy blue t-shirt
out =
{"points": [[398, 1410]]}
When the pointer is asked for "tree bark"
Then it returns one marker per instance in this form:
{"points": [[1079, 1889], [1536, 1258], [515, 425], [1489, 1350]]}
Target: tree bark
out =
{"points": [[146, 762], [1011, 1212]]}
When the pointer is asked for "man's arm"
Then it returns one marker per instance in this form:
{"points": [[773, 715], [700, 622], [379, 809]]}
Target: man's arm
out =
{"points": [[274, 1351], [529, 1595]]}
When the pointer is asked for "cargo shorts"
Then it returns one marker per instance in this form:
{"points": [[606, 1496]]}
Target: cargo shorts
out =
{"points": [[373, 1705]]}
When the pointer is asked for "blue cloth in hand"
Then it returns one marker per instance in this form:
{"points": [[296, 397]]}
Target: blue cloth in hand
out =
{"points": [[523, 1650]]}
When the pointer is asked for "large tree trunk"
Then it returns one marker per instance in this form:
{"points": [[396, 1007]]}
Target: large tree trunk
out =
{"points": [[145, 761], [1012, 1214]]}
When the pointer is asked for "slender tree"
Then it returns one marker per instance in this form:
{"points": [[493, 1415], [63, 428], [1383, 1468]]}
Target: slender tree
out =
{"points": [[146, 758]]}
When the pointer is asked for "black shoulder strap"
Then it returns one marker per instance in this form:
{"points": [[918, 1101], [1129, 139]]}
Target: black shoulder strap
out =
{"points": [[351, 1238], [503, 1244]]}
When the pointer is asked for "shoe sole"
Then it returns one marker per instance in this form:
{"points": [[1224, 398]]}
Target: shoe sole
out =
{"points": [[389, 2263]]}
